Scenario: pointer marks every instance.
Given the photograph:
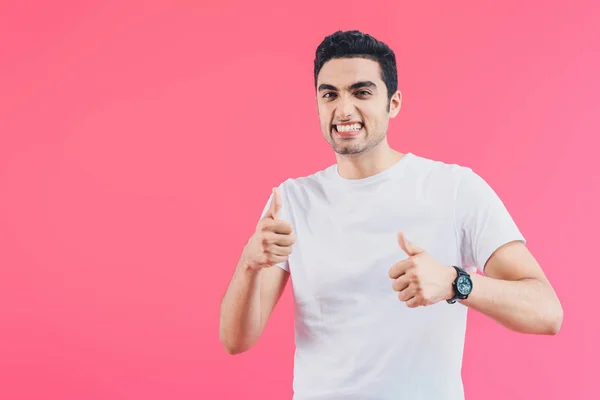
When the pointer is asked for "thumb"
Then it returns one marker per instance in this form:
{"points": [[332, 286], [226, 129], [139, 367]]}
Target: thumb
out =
{"points": [[275, 205], [409, 248]]}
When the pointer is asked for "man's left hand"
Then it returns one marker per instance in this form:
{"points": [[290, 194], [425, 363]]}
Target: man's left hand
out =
{"points": [[420, 280]]}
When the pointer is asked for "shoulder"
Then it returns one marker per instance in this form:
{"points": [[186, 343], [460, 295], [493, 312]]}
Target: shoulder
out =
{"points": [[438, 172], [308, 182], [468, 190]]}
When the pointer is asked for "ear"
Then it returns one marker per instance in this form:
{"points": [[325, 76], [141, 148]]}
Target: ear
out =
{"points": [[395, 104]]}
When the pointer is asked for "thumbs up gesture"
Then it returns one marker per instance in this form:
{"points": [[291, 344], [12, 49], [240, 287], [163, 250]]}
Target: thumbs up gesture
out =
{"points": [[420, 280], [272, 241]]}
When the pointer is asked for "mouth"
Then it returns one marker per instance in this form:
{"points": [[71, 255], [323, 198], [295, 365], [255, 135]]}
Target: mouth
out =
{"points": [[347, 130]]}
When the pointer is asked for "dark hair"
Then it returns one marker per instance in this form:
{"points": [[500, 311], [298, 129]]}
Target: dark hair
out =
{"points": [[355, 44]]}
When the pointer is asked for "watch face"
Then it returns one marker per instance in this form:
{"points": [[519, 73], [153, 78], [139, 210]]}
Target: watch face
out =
{"points": [[464, 285]]}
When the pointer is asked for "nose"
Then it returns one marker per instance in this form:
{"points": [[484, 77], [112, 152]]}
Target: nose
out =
{"points": [[344, 108]]}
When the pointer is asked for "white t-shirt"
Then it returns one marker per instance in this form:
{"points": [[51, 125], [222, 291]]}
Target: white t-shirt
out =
{"points": [[355, 340]]}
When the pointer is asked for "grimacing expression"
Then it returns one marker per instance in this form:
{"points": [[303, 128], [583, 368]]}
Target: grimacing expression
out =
{"points": [[353, 105]]}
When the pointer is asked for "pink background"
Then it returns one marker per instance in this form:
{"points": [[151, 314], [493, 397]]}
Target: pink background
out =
{"points": [[140, 140]]}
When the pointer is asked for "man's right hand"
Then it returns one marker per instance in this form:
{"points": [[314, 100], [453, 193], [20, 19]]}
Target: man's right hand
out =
{"points": [[272, 241]]}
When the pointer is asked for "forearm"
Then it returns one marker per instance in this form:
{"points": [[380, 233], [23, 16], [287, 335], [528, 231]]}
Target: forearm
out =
{"points": [[240, 319], [526, 306]]}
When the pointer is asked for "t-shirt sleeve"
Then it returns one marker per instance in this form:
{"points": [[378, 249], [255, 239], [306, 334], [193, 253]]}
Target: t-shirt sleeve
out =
{"points": [[283, 215], [482, 220]]}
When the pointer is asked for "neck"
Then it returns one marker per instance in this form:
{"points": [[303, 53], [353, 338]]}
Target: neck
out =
{"points": [[369, 163]]}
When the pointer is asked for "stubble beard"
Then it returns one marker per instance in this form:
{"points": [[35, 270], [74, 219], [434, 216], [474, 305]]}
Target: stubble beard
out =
{"points": [[346, 148]]}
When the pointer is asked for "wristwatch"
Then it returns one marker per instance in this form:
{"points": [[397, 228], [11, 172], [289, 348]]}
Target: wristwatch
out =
{"points": [[462, 286]]}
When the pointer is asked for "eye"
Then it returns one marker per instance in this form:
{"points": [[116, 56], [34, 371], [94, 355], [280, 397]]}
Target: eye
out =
{"points": [[363, 93], [328, 95]]}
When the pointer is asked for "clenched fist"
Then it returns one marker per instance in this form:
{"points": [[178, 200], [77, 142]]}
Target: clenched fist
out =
{"points": [[420, 280], [272, 241]]}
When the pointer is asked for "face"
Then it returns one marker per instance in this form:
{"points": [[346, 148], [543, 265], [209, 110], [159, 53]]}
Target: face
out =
{"points": [[352, 103]]}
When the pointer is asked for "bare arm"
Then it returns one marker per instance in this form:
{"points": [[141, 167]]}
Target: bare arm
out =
{"points": [[248, 304], [516, 293], [257, 283]]}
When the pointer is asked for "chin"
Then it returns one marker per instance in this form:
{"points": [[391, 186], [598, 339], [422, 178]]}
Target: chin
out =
{"points": [[349, 150]]}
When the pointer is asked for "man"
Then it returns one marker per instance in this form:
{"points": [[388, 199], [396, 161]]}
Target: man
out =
{"points": [[386, 247]]}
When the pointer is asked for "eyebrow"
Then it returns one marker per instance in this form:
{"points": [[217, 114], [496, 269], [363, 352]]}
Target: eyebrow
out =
{"points": [[361, 84]]}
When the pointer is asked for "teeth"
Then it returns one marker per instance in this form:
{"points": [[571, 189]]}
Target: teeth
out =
{"points": [[348, 128]]}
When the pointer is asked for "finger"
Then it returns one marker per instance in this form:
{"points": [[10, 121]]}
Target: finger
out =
{"points": [[269, 238], [275, 205], [413, 302], [278, 226], [409, 248], [400, 284], [399, 269], [407, 293], [282, 251], [284, 240]]}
